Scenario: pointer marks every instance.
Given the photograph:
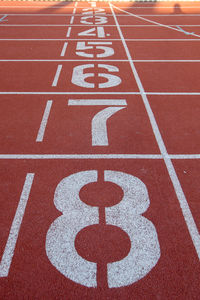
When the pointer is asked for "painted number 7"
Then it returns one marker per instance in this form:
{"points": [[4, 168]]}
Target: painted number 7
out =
{"points": [[99, 121]]}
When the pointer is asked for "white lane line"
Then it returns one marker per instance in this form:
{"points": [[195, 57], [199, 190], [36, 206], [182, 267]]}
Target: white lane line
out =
{"points": [[72, 20], [88, 102], [76, 3], [98, 156], [157, 23], [195, 236], [85, 25], [68, 32], [15, 227], [55, 81], [128, 40], [184, 156], [2, 19], [64, 49], [70, 93], [102, 60], [44, 121], [100, 93], [109, 15], [81, 156]]}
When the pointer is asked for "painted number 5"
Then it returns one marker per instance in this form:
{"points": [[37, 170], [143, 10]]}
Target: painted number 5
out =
{"points": [[60, 239]]}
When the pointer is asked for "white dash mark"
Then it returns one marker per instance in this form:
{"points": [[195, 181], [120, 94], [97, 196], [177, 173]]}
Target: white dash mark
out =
{"points": [[91, 102], [43, 124], [15, 227], [72, 20], [55, 81], [2, 19], [64, 49], [76, 4], [68, 32]]}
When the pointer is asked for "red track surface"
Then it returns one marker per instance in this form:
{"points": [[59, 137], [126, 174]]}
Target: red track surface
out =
{"points": [[99, 157]]}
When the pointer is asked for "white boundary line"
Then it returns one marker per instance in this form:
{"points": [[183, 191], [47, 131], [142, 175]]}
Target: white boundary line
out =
{"points": [[170, 168], [128, 40], [98, 156], [81, 156], [56, 77], [109, 15], [102, 93], [15, 227], [85, 25], [64, 49], [44, 121], [103, 60], [156, 23]]}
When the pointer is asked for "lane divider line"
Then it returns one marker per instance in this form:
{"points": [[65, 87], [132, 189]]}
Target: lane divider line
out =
{"points": [[186, 32], [15, 227], [44, 121], [189, 220], [153, 22], [64, 49], [68, 32], [57, 75], [72, 20], [3, 19], [98, 156]]}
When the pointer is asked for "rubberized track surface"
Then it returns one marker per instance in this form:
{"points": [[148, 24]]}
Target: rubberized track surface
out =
{"points": [[99, 156]]}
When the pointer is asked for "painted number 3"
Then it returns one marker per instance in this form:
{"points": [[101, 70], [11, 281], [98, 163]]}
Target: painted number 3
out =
{"points": [[60, 241]]}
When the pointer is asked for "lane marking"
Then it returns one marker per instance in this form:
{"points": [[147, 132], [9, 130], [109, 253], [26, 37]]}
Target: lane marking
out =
{"points": [[88, 102], [68, 32], [102, 60], [150, 21], [85, 25], [72, 20], [15, 227], [64, 49], [44, 121], [81, 156], [100, 93], [76, 3], [3, 19], [186, 32], [128, 40], [195, 236], [55, 81], [110, 15], [98, 156]]}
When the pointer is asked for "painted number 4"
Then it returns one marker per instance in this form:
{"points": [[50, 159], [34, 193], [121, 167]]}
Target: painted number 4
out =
{"points": [[126, 215]]}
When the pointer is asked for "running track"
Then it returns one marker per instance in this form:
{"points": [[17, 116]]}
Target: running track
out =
{"points": [[100, 149]]}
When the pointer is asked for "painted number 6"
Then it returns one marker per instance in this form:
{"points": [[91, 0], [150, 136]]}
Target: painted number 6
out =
{"points": [[79, 77], [60, 248]]}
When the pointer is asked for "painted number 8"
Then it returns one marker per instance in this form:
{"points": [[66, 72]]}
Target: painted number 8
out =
{"points": [[60, 248]]}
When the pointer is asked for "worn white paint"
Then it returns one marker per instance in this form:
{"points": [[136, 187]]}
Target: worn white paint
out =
{"points": [[15, 227], [44, 121], [99, 125]]}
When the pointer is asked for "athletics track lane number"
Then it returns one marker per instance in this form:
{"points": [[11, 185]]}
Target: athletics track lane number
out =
{"points": [[60, 239]]}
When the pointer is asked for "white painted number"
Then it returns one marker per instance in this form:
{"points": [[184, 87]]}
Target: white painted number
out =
{"points": [[95, 20], [79, 77], [96, 31], [60, 248], [99, 121], [107, 51]]}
